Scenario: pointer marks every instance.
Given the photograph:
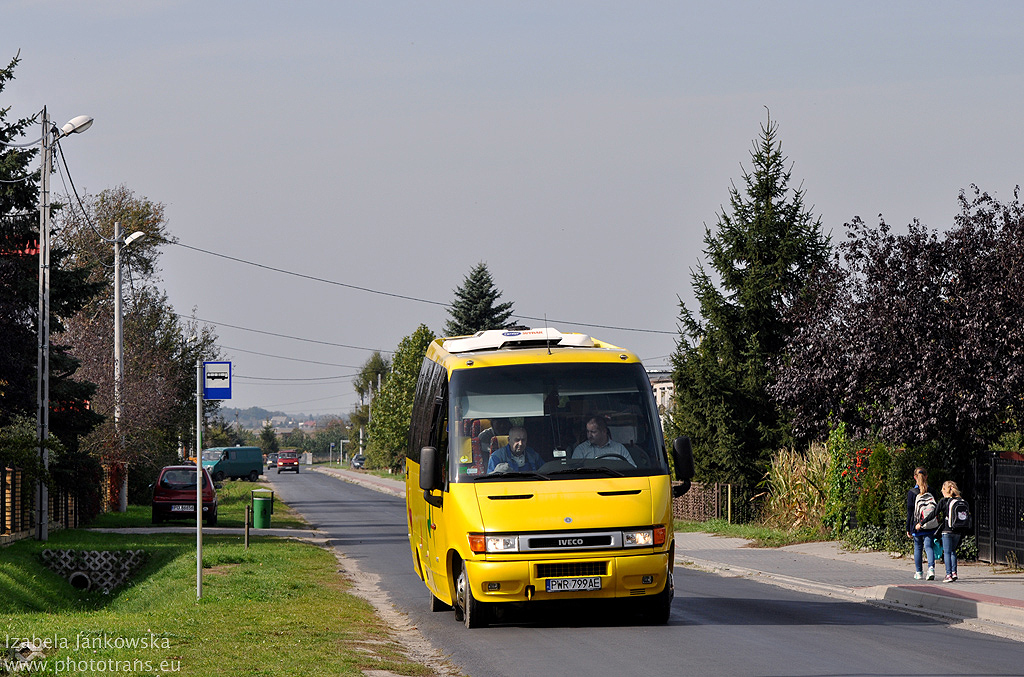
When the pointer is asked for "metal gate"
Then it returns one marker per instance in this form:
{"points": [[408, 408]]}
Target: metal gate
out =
{"points": [[999, 513]]}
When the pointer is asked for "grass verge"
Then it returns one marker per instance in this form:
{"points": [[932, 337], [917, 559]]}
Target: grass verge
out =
{"points": [[278, 608], [761, 536], [232, 498]]}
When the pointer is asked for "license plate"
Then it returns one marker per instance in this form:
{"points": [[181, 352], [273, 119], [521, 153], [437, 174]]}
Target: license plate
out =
{"points": [[573, 584], [183, 508]]}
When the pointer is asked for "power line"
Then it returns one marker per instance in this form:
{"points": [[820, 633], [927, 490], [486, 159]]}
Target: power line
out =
{"points": [[319, 399], [294, 338], [405, 297], [312, 277], [351, 286], [332, 386], [282, 357], [269, 378], [595, 326]]}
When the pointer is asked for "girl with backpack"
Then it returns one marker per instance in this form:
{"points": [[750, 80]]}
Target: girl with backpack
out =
{"points": [[948, 507], [922, 517]]}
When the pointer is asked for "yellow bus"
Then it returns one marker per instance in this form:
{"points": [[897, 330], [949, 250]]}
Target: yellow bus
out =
{"points": [[537, 471]]}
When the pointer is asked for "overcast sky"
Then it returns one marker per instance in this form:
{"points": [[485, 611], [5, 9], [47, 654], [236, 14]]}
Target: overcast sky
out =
{"points": [[578, 148]]}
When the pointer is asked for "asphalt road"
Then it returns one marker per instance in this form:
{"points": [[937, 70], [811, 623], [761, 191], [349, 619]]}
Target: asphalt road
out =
{"points": [[719, 626]]}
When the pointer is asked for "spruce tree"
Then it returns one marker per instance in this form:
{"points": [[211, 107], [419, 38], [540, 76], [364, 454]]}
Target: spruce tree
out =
{"points": [[475, 307], [268, 440], [19, 271], [70, 416], [762, 254]]}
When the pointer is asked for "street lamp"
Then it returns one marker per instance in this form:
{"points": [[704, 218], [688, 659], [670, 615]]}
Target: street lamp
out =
{"points": [[50, 137], [119, 241]]}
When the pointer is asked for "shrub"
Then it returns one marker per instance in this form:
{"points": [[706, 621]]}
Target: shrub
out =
{"points": [[837, 513], [873, 490], [796, 488], [968, 549], [871, 537]]}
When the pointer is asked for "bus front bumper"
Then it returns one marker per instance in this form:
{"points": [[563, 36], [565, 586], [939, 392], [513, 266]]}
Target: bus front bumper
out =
{"points": [[618, 576]]}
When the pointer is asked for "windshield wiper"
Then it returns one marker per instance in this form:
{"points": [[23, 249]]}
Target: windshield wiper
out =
{"points": [[591, 470], [513, 475]]}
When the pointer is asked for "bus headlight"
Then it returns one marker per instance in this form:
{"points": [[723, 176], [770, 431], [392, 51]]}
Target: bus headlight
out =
{"points": [[643, 538], [502, 543]]}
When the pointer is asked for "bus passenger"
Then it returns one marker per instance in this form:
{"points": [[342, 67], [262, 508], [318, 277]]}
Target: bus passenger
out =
{"points": [[489, 437], [515, 456], [600, 444]]}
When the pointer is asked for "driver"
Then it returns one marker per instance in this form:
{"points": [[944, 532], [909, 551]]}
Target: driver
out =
{"points": [[599, 443], [515, 456]]}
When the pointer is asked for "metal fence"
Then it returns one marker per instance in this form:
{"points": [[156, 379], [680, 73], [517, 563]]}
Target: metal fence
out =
{"points": [[18, 510], [15, 506], [999, 511], [706, 501]]}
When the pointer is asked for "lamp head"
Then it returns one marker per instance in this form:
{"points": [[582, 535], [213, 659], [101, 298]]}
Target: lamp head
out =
{"points": [[133, 237], [76, 125]]}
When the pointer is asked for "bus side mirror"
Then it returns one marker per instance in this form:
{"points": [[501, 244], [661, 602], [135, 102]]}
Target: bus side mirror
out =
{"points": [[682, 457], [428, 475], [428, 468]]}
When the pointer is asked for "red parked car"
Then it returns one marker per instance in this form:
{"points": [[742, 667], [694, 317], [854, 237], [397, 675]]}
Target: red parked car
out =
{"points": [[174, 495], [287, 460]]}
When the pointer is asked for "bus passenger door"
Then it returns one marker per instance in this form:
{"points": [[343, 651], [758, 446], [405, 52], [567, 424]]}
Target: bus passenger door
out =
{"points": [[434, 463]]}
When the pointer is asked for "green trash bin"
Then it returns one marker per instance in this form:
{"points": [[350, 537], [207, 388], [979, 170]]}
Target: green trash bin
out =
{"points": [[262, 508]]}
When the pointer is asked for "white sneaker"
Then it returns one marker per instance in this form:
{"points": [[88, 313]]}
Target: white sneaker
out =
{"points": [[917, 575], [931, 573]]}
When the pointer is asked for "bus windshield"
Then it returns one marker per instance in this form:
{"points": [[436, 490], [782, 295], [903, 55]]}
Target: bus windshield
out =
{"points": [[553, 421]]}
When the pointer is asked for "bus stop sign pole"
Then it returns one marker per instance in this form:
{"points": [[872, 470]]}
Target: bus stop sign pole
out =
{"points": [[199, 479]]}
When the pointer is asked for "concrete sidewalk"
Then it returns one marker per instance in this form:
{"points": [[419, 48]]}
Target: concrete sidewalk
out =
{"points": [[989, 596]]}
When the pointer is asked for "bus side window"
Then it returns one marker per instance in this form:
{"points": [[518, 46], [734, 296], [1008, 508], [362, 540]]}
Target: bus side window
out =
{"points": [[439, 433]]}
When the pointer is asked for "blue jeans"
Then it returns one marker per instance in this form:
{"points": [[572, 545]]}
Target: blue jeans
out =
{"points": [[950, 541], [924, 538]]}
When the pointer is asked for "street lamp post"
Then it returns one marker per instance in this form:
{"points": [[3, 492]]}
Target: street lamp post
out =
{"points": [[120, 241], [50, 137]]}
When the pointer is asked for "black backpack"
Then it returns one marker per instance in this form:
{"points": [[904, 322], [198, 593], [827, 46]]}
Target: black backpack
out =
{"points": [[959, 516]]}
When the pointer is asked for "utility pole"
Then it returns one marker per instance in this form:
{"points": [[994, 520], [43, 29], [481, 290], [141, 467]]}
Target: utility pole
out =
{"points": [[50, 137], [43, 340]]}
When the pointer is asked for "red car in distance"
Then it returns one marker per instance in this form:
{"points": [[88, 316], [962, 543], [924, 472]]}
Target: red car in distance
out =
{"points": [[287, 460]]}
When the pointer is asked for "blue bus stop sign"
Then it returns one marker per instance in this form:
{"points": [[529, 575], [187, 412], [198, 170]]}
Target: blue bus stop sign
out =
{"points": [[216, 380]]}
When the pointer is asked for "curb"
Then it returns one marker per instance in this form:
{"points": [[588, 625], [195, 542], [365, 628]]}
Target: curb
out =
{"points": [[968, 608], [789, 582], [947, 605]]}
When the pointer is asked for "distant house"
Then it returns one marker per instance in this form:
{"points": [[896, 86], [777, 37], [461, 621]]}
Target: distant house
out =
{"points": [[661, 384]]}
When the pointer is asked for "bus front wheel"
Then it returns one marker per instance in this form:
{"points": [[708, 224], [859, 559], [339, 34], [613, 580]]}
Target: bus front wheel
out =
{"points": [[660, 608], [474, 614]]}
